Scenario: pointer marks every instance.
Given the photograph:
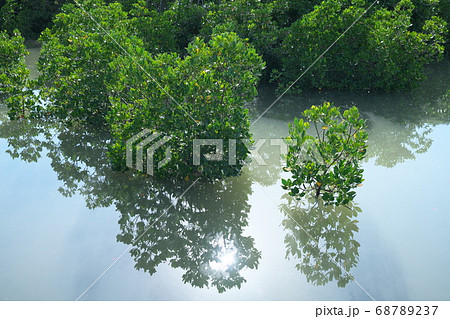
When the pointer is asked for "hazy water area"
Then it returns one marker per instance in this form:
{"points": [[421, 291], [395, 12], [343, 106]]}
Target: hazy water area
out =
{"points": [[65, 216]]}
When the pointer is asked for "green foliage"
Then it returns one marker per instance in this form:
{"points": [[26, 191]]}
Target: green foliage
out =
{"points": [[32, 17], [252, 20], [77, 52], [170, 30], [287, 12], [378, 52], [326, 165], [423, 10], [128, 5], [154, 28], [186, 17], [29, 16], [75, 58], [15, 87], [89, 78], [392, 39], [395, 57], [203, 98], [444, 13], [313, 34], [13, 71]]}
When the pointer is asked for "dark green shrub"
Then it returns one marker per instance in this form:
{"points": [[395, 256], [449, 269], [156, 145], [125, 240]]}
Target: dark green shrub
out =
{"points": [[15, 87], [13, 71], [154, 28], [326, 165], [186, 17], [210, 87], [252, 20], [75, 58], [378, 52], [423, 10], [395, 57], [444, 12], [31, 17], [287, 12], [313, 34]]}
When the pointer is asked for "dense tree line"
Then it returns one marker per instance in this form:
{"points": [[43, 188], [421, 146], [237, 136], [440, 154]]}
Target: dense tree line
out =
{"points": [[288, 34]]}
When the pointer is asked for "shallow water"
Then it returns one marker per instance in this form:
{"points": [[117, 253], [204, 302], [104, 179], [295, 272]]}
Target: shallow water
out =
{"points": [[31, 60], [66, 217]]}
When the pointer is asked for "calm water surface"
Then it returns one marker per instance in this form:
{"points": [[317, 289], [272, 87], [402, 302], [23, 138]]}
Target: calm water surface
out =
{"points": [[66, 217]]}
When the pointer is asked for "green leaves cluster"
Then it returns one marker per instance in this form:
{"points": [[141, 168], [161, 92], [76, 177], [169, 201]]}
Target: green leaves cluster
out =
{"points": [[12, 62], [201, 96], [156, 29], [31, 17], [16, 90], [252, 20], [122, 73], [380, 51], [75, 55], [387, 49], [327, 163], [116, 73]]}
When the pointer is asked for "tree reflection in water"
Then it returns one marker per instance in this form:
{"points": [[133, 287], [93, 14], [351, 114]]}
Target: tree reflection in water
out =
{"points": [[321, 239], [201, 233], [400, 124]]}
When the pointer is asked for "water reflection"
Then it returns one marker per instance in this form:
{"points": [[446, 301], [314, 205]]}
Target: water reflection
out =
{"points": [[399, 123], [321, 239], [391, 143], [266, 163], [26, 139], [201, 233]]}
